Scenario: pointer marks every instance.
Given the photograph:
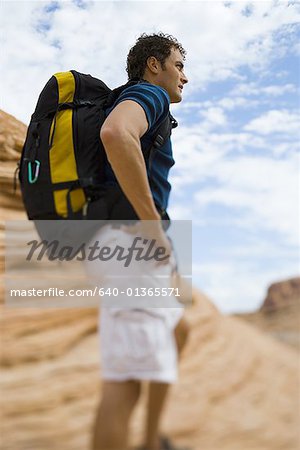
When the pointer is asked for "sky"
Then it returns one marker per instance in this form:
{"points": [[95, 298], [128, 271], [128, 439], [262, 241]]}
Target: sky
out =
{"points": [[237, 145]]}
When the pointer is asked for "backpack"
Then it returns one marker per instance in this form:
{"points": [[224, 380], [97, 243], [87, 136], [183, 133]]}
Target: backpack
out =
{"points": [[62, 166]]}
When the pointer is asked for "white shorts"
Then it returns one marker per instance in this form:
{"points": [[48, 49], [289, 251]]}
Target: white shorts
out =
{"points": [[136, 340]]}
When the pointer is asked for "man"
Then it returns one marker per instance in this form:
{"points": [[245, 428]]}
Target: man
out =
{"points": [[157, 60]]}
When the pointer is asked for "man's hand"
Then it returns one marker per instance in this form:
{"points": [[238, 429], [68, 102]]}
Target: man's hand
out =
{"points": [[153, 231]]}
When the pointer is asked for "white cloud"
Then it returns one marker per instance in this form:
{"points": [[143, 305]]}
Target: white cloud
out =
{"points": [[254, 89], [284, 148], [199, 151], [262, 189], [244, 95], [230, 103], [178, 212], [95, 39], [277, 90], [275, 121], [264, 192], [213, 117], [233, 285]]}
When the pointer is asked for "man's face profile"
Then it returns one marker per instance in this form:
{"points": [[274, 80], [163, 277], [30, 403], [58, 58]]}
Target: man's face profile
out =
{"points": [[172, 77]]}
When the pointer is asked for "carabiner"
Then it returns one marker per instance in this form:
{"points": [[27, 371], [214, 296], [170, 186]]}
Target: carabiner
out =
{"points": [[36, 172]]}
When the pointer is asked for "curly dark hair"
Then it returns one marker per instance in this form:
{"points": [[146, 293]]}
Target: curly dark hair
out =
{"points": [[158, 45]]}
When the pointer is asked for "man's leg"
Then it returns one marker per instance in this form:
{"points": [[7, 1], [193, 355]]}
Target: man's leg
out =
{"points": [[116, 406], [181, 334], [156, 400], [158, 393]]}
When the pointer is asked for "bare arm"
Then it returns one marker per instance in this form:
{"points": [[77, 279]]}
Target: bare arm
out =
{"points": [[120, 134]]}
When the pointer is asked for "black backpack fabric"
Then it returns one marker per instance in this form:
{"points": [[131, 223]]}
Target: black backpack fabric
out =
{"points": [[61, 170]]}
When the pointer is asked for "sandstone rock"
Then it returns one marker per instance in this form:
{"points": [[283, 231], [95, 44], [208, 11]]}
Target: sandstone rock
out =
{"points": [[279, 314], [238, 387], [282, 294], [12, 137]]}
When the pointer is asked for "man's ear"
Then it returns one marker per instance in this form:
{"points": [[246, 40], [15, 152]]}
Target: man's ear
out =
{"points": [[153, 64]]}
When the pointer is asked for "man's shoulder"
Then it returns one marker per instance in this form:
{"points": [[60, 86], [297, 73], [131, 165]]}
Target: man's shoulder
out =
{"points": [[148, 90], [153, 99]]}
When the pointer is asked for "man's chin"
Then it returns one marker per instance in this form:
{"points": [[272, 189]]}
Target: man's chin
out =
{"points": [[176, 99]]}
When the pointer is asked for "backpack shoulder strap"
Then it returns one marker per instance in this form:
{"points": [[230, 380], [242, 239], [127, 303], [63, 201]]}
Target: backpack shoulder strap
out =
{"points": [[161, 134], [164, 131]]}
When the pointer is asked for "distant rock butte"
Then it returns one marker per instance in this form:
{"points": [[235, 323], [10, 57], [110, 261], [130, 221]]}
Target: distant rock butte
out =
{"points": [[281, 295], [279, 315], [238, 387]]}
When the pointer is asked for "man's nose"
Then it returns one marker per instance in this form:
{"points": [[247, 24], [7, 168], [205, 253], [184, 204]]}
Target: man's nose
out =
{"points": [[184, 79]]}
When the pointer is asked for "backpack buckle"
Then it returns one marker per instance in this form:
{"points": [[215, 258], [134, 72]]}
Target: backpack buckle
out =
{"points": [[159, 141], [79, 103]]}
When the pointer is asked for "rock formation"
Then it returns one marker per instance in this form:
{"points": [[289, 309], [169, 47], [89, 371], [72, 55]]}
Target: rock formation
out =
{"points": [[281, 295], [12, 136], [279, 314], [238, 387]]}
